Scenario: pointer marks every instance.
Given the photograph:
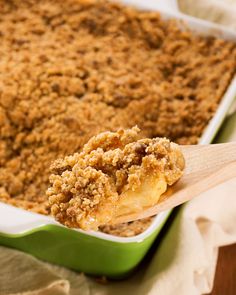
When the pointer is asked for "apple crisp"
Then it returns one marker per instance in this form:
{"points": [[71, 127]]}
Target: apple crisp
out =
{"points": [[115, 174], [74, 68]]}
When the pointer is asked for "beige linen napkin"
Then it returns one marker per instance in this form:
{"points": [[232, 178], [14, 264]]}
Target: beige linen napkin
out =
{"points": [[219, 11], [183, 263]]}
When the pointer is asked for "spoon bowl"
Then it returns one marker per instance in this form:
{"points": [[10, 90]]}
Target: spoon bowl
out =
{"points": [[206, 167]]}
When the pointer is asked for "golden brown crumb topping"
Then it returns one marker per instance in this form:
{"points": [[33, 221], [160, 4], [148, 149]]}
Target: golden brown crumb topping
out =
{"points": [[129, 229], [71, 69], [86, 187]]}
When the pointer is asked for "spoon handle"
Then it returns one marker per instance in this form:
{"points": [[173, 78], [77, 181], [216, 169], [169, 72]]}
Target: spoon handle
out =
{"points": [[206, 158]]}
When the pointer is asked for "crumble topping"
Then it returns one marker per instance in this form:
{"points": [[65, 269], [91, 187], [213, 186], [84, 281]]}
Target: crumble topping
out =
{"points": [[72, 69], [127, 229], [88, 188]]}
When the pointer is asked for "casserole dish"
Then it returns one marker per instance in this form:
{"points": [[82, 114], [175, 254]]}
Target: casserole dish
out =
{"points": [[94, 252]]}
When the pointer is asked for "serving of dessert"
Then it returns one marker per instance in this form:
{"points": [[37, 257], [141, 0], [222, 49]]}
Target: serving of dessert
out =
{"points": [[72, 69], [113, 175]]}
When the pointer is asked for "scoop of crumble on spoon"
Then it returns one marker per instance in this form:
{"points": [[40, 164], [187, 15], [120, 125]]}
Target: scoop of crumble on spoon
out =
{"points": [[115, 174], [118, 177]]}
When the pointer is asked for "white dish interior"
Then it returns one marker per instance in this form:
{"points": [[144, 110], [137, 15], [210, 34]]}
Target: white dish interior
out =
{"points": [[17, 221]]}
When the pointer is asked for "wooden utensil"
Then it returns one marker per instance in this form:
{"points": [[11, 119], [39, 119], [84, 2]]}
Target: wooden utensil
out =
{"points": [[206, 166]]}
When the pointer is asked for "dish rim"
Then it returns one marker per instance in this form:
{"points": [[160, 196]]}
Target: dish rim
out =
{"points": [[39, 221]]}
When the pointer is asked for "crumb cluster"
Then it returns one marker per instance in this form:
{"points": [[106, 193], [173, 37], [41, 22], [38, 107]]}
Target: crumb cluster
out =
{"points": [[71, 69], [86, 187]]}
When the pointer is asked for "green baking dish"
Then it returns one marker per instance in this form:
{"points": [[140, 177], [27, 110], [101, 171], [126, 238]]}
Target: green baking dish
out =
{"points": [[94, 252]]}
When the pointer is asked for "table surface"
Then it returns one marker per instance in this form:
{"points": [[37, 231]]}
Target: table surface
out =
{"points": [[225, 277]]}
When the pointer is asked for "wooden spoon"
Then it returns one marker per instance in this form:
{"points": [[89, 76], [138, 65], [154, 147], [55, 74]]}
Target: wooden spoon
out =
{"points": [[206, 166]]}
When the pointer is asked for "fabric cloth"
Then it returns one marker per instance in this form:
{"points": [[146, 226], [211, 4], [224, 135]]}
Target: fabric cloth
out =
{"points": [[222, 12]]}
